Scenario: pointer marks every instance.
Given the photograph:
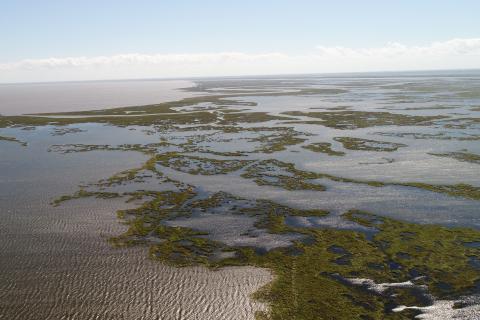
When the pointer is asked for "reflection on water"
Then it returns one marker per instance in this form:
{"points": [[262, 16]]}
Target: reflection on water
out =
{"points": [[55, 262]]}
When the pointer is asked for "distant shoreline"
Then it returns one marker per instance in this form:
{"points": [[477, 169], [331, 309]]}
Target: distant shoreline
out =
{"points": [[18, 99], [379, 73]]}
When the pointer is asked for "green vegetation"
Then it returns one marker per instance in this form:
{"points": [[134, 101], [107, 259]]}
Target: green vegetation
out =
{"points": [[363, 119], [323, 147], [473, 94], [434, 136], [249, 117], [267, 172], [278, 140], [197, 165], [64, 131], [368, 145], [304, 92], [280, 174], [72, 148], [310, 277], [259, 87], [458, 190], [159, 108], [460, 156], [312, 274], [460, 123], [12, 139], [309, 286], [85, 194], [201, 117], [437, 107], [271, 139]]}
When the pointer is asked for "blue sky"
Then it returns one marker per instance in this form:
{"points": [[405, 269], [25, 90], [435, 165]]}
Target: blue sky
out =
{"points": [[60, 29]]}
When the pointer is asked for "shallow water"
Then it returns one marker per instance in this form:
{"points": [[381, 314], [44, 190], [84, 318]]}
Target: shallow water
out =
{"points": [[55, 262], [18, 99], [404, 203]]}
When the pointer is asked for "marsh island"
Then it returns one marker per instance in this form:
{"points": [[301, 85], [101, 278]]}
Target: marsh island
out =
{"points": [[312, 197]]}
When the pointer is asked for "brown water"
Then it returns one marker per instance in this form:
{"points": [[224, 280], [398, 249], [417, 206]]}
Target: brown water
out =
{"points": [[55, 262], [18, 99]]}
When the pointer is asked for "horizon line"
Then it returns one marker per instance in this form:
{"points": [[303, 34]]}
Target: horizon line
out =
{"points": [[341, 73]]}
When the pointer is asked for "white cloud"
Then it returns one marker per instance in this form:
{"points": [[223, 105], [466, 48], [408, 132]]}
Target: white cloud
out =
{"points": [[136, 59], [455, 53], [397, 50]]}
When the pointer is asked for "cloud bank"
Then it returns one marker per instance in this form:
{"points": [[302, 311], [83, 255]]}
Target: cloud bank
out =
{"points": [[451, 54]]}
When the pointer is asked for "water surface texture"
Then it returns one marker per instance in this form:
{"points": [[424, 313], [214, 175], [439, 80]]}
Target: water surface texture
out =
{"points": [[56, 263], [185, 202]]}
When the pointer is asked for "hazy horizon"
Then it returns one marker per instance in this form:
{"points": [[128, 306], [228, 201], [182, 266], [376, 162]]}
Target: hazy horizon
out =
{"points": [[373, 73], [70, 41], [246, 160]]}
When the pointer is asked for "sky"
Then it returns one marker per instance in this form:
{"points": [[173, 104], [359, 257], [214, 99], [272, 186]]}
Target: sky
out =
{"points": [[104, 39]]}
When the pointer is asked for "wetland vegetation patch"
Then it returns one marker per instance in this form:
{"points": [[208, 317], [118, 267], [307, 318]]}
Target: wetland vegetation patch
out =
{"points": [[198, 165], [309, 275], [460, 156], [280, 174], [13, 139], [347, 120], [368, 145], [460, 136], [321, 270], [323, 147]]}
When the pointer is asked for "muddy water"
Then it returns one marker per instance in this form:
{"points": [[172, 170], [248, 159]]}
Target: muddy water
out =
{"points": [[55, 262], [77, 96]]}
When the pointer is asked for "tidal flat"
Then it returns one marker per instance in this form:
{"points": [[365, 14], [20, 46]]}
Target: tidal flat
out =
{"points": [[306, 197]]}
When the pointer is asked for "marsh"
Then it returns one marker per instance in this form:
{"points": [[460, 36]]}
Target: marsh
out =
{"points": [[238, 198]]}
